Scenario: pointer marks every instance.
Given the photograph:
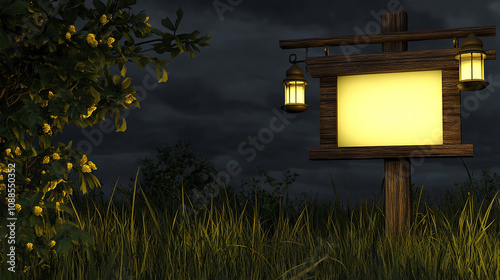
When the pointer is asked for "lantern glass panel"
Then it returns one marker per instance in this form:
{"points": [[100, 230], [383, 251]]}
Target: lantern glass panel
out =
{"points": [[471, 66], [294, 92]]}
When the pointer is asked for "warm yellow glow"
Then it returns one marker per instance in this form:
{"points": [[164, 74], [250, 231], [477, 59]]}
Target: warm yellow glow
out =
{"points": [[471, 69], [294, 92], [390, 109]]}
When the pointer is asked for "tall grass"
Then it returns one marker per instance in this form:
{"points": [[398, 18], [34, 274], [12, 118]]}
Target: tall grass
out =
{"points": [[228, 239]]}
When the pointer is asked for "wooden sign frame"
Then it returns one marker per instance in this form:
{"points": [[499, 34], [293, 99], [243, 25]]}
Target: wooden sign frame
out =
{"points": [[327, 68]]}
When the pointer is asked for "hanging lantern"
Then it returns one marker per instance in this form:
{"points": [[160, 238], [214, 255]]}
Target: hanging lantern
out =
{"points": [[471, 58], [295, 85]]}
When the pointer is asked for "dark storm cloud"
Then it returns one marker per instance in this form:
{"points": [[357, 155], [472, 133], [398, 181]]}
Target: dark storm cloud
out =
{"points": [[227, 93]]}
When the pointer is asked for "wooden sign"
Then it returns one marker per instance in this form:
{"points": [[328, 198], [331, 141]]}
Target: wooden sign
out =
{"points": [[329, 68], [393, 105]]}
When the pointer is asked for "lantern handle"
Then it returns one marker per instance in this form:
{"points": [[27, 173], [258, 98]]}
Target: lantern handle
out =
{"points": [[293, 59], [455, 42]]}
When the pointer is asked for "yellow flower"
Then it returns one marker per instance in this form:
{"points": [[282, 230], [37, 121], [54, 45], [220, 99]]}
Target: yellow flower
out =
{"points": [[53, 185], [46, 159], [52, 243], [1, 177], [104, 20], [43, 172], [8, 151], [54, 117], [18, 151], [46, 128], [28, 180], [50, 94], [147, 18], [129, 98], [18, 207], [69, 165], [56, 156], [72, 29], [83, 160], [58, 204], [67, 36], [92, 165], [45, 103], [86, 169], [110, 42], [37, 210], [91, 110], [2, 187], [91, 40], [29, 246], [4, 168]]}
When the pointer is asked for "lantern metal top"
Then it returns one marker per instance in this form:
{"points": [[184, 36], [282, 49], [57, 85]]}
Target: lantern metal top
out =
{"points": [[471, 44], [295, 73]]}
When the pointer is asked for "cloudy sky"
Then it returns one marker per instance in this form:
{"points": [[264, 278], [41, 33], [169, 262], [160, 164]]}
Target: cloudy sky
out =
{"points": [[232, 91]]}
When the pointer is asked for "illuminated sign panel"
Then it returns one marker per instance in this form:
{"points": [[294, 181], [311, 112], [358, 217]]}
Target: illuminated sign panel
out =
{"points": [[390, 109]]}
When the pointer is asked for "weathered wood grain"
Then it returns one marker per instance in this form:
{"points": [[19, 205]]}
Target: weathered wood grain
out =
{"points": [[452, 133], [381, 152], [419, 35], [385, 62], [328, 111]]}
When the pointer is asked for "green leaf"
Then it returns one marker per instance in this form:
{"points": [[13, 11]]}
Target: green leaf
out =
{"points": [[179, 44], [129, 38], [35, 198], [46, 74], [5, 42], [125, 3], [164, 78], [96, 94], [122, 127], [116, 79], [100, 7], [63, 246], [38, 230], [126, 83], [168, 24], [123, 71], [17, 7], [83, 186], [80, 235], [95, 180], [180, 14]]}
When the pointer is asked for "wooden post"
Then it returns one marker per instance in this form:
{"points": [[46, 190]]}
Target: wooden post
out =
{"points": [[397, 171]]}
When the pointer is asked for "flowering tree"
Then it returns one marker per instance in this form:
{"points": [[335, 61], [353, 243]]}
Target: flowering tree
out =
{"points": [[56, 60]]}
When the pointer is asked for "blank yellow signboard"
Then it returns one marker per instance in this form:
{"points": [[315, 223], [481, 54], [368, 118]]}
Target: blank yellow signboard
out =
{"points": [[390, 109]]}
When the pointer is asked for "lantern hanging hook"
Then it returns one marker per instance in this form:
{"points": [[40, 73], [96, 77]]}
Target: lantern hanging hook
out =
{"points": [[293, 59], [455, 42], [327, 50]]}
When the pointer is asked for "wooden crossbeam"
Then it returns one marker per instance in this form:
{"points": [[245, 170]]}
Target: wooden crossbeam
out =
{"points": [[479, 31]]}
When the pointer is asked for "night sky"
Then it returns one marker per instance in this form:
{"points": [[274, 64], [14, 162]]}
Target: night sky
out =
{"points": [[232, 91]]}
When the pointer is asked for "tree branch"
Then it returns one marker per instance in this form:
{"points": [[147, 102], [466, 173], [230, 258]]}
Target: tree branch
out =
{"points": [[149, 41]]}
